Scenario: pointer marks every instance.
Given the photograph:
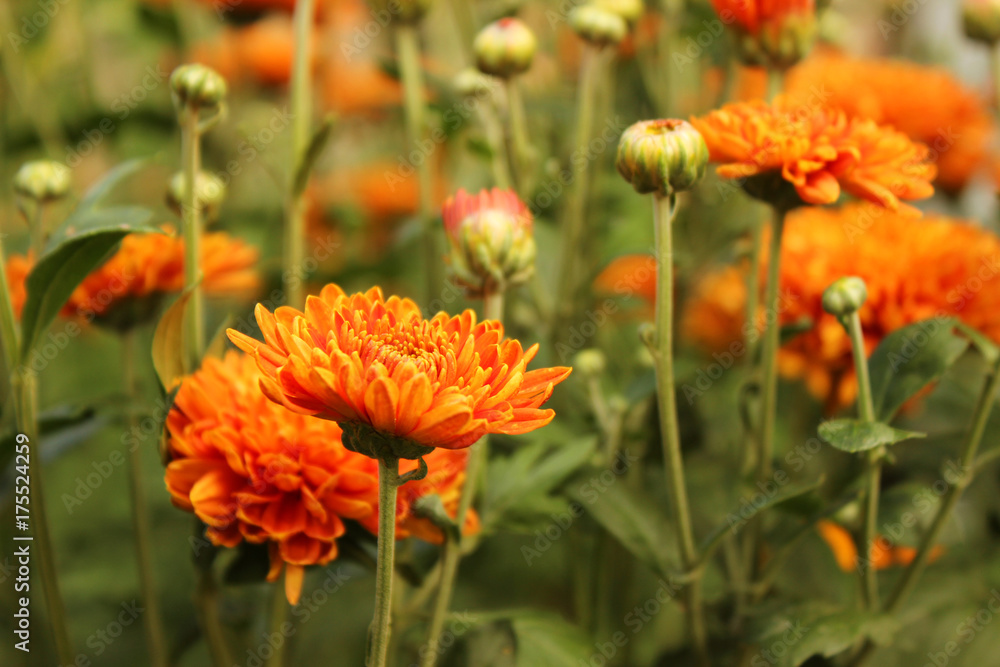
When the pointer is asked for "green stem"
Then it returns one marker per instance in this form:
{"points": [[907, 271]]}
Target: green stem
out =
{"points": [[141, 532], [772, 340], [906, 584], [520, 145], [191, 157], [378, 633], [663, 213], [277, 619], [573, 252], [207, 603], [465, 18], [24, 387], [775, 82], [866, 410], [301, 103], [753, 291], [411, 72], [452, 553]]}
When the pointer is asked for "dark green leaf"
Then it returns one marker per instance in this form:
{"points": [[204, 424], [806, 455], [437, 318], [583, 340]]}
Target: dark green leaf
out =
{"points": [[798, 634], [853, 435], [547, 639], [316, 145], [909, 359]]}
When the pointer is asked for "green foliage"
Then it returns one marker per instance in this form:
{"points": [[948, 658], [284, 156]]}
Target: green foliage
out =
{"points": [[854, 435]]}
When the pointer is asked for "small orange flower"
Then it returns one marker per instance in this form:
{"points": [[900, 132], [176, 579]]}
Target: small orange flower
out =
{"points": [[253, 471], [149, 265], [935, 268], [926, 103], [629, 275], [819, 151], [445, 477], [883, 554], [375, 363]]}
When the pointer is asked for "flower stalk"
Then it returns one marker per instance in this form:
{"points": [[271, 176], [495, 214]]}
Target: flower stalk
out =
{"points": [[301, 111], [411, 73], [141, 532], [378, 633], [522, 153], [192, 225], [664, 208]]}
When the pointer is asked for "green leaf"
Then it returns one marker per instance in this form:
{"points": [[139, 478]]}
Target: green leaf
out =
{"points": [[853, 435], [76, 248], [909, 359], [316, 145], [738, 517], [63, 427], [986, 347], [547, 639], [519, 487], [631, 516], [795, 635], [168, 347]]}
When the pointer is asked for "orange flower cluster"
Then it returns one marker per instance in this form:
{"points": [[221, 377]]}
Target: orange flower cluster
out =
{"points": [[926, 103], [937, 267], [756, 15], [375, 362], [819, 151], [254, 471], [147, 265], [882, 554]]}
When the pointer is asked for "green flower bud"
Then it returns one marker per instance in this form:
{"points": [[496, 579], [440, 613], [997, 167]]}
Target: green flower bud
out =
{"points": [[404, 11], [981, 20], [42, 180], [590, 362], [505, 48], [598, 26], [197, 86], [209, 191], [845, 296], [630, 10], [491, 238], [662, 156], [470, 82]]}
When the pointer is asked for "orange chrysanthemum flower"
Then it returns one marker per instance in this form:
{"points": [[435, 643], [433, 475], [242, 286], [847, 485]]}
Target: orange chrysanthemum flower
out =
{"points": [[254, 471], [445, 477], [149, 265], [937, 267], [882, 554], [755, 15], [926, 103], [817, 150], [374, 363]]}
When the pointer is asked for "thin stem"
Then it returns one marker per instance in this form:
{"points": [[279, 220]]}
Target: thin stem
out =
{"points": [[775, 82], [301, 103], [753, 291], [573, 226], [996, 73], [520, 145], [866, 410], [906, 584], [141, 532], [452, 552], [191, 157], [408, 50], [24, 387], [278, 618], [378, 633], [772, 339], [663, 213], [207, 603]]}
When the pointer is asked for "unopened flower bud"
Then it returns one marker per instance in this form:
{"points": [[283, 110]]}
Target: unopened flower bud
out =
{"points": [[209, 192], [42, 180], [598, 26], [630, 10], [845, 296], [197, 86], [662, 156], [505, 48], [771, 34], [403, 11], [470, 82], [590, 362], [491, 238], [981, 20]]}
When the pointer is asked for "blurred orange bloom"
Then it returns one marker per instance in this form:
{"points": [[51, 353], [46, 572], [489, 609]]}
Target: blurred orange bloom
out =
{"points": [[629, 275], [445, 477], [819, 151], [882, 555], [261, 51], [934, 267], [254, 471], [926, 103], [377, 364], [149, 265]]}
